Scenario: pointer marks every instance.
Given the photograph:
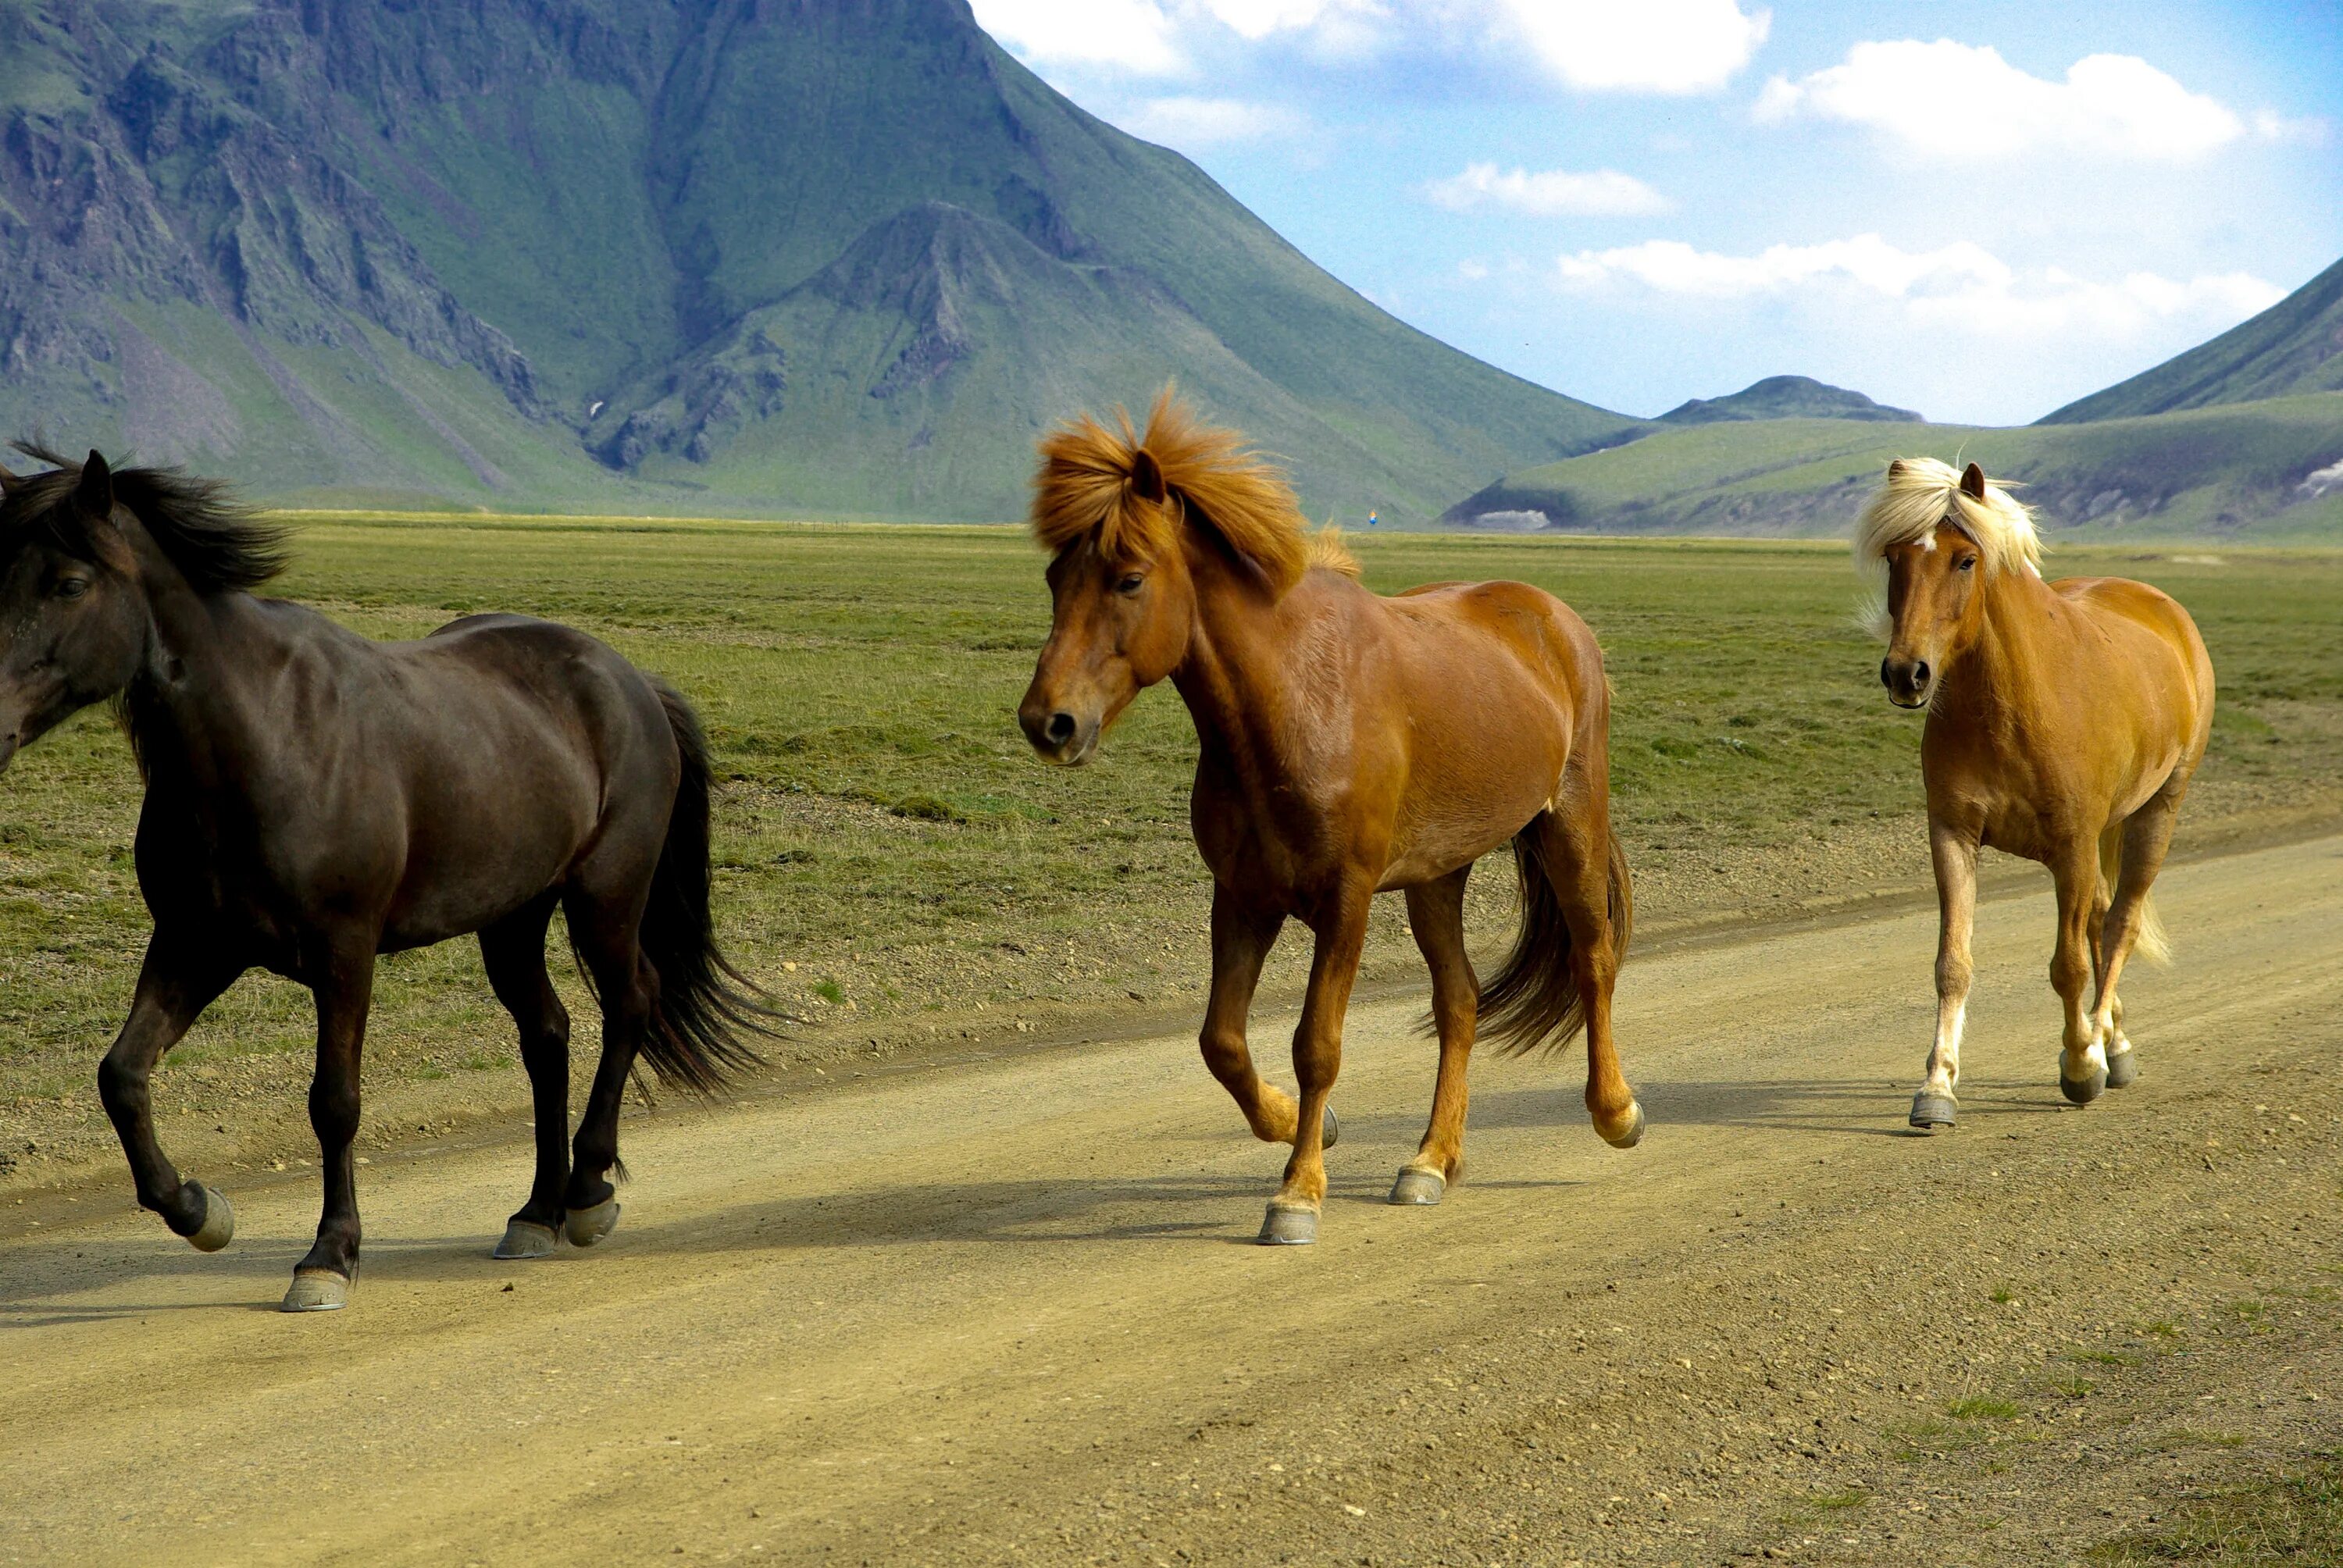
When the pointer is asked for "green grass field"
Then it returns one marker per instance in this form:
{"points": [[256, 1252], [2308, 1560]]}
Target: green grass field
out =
{"points": [[896, 866], [2233, 470]]}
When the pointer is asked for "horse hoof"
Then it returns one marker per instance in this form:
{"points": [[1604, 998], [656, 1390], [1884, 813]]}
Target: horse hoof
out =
{"points": [[1634, 1130], [219, 1221], [2123, 1069], [526, 1239], [318, 1290], [588, 1226], [1932, 1112], [1289, 1227], [1418, 1186], [1330, 1130], [2083, 1091]]}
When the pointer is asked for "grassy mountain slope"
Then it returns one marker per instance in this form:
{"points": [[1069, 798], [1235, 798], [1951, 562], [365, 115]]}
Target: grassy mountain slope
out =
{"points": [[1785, 398], [709, 254], [2294, 346], [2256, 470]]}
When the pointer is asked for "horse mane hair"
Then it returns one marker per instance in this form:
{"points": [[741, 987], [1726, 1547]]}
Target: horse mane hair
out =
{"points": [[1327, 552], [216, 542], [1920, 495], [1102, 483]]}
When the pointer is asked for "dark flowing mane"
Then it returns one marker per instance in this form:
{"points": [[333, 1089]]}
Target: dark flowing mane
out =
{"points": [[215, 542]]}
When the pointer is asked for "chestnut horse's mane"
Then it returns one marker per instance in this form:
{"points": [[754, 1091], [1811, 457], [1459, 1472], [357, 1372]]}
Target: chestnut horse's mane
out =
{"points": [[1135, 493], [1920, 493], [1918, 496]]}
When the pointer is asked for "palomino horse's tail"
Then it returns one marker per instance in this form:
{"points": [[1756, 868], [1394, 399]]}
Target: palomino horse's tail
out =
{"points": [[1535, 1000], [2150, 943], [705, 1005]]}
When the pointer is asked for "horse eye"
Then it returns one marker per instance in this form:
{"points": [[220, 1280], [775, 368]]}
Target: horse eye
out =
{"points": [[1130, 583], [1966, 563], [72, 587]]}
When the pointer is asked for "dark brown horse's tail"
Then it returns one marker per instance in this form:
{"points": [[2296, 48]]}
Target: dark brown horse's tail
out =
{"points": [[705, 1005], [1534, 1001]]}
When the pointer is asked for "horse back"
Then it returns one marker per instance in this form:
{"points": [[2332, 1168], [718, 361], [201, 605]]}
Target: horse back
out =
{"points": [[2146, 642], [502, 748]]}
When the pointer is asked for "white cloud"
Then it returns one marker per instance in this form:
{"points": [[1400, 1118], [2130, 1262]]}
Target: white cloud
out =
{"points": [[1959, 286], [1186, 121], [1947, 100], [1623, 46], [1604, 193], [2308, 131], [1258, 19], [1646, 46], [1135, 36]]}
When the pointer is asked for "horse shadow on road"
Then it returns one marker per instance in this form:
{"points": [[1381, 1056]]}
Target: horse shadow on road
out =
{"points": [[1210, 1208]]}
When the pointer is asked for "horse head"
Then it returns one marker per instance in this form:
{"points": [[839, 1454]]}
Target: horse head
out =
{"points": [[1938, 537], [73, 614], [1130, 521]]}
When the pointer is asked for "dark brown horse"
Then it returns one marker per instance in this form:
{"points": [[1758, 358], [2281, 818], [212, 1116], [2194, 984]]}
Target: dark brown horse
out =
{"points": [[313, 799], [1349, 744], [2065, 721]]}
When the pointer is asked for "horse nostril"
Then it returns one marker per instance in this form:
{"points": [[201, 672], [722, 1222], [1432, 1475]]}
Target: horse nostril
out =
{"points": [[1885, 679], [1920, 675], [1060, 730]]}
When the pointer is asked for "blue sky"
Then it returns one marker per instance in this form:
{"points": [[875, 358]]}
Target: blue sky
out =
{"points": [[1976, 210]]}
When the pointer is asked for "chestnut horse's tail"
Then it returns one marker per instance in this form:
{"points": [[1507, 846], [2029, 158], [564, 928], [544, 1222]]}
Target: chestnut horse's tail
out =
{"points": [[1535, 1000], [705, 1005], [2151, 942]]}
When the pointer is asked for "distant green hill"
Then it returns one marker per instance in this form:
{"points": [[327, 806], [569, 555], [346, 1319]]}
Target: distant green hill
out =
{"points": [[2268, 470], [2296, 346], [842, 256], [1784, 398]]}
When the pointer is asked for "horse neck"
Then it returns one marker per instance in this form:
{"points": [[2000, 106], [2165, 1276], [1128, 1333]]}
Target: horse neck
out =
{"points": [[192, 690], [1233, 676], [2001, 672]]}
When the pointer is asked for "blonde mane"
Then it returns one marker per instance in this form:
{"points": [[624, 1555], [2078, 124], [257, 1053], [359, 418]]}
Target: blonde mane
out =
{"points": [[1920, 495], [1135, 493]]}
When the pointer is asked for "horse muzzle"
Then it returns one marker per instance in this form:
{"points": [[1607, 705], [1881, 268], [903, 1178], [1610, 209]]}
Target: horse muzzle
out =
{"points": [[1059, 736], [1909, 681]]}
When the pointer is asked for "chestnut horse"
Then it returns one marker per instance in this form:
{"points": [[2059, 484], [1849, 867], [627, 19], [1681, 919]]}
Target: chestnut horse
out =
{"points": [[313, 799], [1349, 744], [2064, 721]]}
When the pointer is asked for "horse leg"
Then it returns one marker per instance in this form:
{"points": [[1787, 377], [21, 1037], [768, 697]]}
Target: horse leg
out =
{"points": [[1342, 929], [1242, 934], [1955, 853], [1435, 913], [606, 934], [2146, 834], [322, 1280], [1575, 850], [174, 986], [513, 952], [2083, 1061]]}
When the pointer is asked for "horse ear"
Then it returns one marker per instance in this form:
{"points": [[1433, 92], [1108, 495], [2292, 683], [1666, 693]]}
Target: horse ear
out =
{"points": [[1894, 467], [8, 482], [1147, 476], [95, 494], [1973, 483]]}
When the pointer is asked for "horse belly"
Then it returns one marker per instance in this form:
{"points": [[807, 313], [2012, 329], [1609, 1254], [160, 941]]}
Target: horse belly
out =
{"points": [[1469, 792], [470, 869]]}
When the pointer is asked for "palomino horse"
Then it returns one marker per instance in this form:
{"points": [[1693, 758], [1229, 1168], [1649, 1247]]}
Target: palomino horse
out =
{"points": [[2064, 721], [313, 799], [1349, 744]]}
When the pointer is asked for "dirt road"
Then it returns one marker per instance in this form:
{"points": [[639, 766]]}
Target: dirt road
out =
{"points": [[1009, 1310]]}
